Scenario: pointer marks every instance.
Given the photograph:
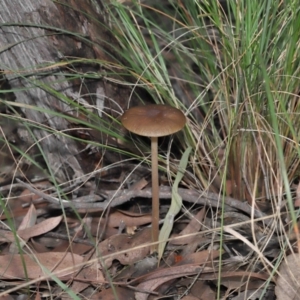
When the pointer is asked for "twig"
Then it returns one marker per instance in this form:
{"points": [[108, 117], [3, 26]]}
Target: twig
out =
{"points": [[117, 198]]}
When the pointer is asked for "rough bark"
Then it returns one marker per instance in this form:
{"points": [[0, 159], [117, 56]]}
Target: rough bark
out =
{"points": [[39, 33]]}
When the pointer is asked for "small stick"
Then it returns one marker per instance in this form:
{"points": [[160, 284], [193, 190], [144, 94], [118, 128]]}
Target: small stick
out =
{"points": [[116, 198]]}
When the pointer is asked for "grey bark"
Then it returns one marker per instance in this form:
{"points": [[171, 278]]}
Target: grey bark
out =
{"points": [[26, 45]]}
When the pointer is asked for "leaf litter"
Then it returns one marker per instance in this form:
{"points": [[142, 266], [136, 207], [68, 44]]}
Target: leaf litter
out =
{"points": [[98, 243], [51, 246]]}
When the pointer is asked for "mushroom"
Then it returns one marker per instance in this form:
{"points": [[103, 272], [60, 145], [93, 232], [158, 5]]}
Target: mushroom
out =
{"points": [[155, 120]]}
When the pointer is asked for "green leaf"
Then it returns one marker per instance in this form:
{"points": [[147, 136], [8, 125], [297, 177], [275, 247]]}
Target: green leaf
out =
{"points": [[176, 204]]}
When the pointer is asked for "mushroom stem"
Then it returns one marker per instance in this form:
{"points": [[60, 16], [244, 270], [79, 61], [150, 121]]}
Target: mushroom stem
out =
{"points": [[154, 121], [155, 193]]}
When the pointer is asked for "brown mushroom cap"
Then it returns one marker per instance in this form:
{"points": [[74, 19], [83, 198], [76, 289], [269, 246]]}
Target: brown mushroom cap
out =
{"points": [[153, 120]]}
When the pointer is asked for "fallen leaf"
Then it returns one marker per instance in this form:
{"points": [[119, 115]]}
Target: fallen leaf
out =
{"points": [[40, 228], [287, 286], [202, 258], [202, 290], [116, 292], [155, 279], [39, 265], [239, 283], [6, 236], [150, 282], [238, 274], [142, 267], [139, 185], [88, 274], [129, 220], [199, 257], [250, 295], [79, 248], [42, 244], [189, 297], [28, 221], [125, 248], [193, 226]]}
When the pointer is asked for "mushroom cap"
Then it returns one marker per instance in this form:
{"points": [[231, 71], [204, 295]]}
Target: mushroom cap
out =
{"points": [[153, 120]]}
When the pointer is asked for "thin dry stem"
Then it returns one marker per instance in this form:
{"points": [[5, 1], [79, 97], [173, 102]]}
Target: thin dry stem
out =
{"points": [[155, 193]]}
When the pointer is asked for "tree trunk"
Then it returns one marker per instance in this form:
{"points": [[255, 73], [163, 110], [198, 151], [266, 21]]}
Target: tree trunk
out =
{"points": [[37, 37]]}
